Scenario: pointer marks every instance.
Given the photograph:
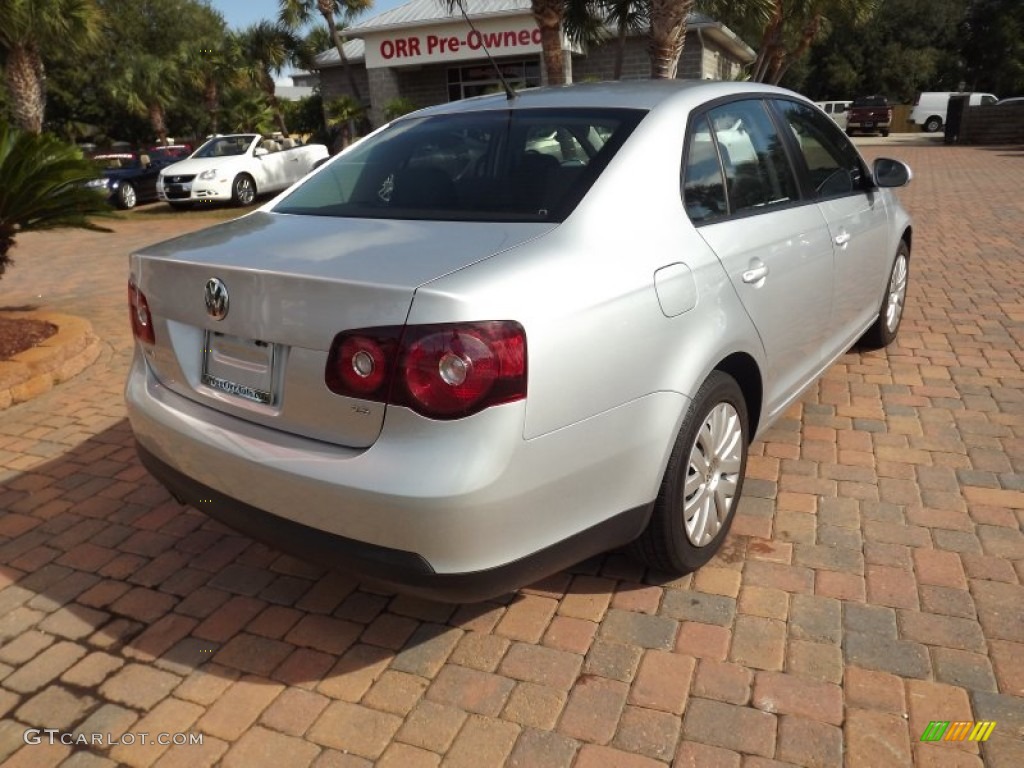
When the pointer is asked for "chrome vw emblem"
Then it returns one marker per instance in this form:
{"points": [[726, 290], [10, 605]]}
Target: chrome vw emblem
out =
{"points": [[216, 298]]}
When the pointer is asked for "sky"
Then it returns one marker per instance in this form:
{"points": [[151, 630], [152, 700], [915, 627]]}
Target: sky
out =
{"points": [[242, 13]]}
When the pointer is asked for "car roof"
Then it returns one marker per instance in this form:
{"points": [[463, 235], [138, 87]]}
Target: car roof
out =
{"points": [[628, 94]]}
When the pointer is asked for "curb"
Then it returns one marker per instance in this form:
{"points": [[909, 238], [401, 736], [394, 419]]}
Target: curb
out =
{"points": [[67, 353]]}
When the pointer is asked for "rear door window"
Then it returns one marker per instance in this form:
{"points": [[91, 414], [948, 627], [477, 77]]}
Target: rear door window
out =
{"points": [[757, 171], [507, 165]]}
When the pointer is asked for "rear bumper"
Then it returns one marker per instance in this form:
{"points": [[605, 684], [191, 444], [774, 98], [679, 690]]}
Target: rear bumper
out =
{"points": [[397, 569], [444, 498]]}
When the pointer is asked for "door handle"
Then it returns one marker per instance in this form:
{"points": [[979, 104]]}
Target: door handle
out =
{"points": [[755, 274], [842, 238]]}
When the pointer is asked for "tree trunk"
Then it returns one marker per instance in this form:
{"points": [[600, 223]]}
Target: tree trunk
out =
{"points": [[667, 36], [159, 123], [25, 76], [346, 67], [548, 15], [810, 31], [620, 51], [211, 96], [769, 42]]}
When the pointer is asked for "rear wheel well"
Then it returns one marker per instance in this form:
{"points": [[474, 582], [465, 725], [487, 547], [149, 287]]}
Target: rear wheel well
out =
{"points": [[743, 368], [908, 235]]}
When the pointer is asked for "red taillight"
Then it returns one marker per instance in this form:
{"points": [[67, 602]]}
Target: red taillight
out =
{"points": [[443, 371], [359, 363], [138, 309]]}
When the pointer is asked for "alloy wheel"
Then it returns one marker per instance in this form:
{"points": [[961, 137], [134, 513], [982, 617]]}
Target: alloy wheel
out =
{"points": [[713, 474], [897, 294], [245, 191]]}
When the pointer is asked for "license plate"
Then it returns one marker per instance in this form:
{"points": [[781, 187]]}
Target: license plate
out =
{"points": [[175, 188], [240, 367], [869, 124]]}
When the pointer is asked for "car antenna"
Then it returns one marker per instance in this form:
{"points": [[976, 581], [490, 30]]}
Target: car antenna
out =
{"points": [[509, 93]]}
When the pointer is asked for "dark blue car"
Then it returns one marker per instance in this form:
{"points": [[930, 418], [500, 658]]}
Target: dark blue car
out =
{"points": [[128, 178]]}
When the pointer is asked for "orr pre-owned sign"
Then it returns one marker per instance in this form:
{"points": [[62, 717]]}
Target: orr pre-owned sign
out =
{"points": [[513, 36]]}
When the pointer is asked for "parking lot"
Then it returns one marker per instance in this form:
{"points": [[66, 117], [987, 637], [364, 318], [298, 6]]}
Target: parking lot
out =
{"points": [[872, 582]]}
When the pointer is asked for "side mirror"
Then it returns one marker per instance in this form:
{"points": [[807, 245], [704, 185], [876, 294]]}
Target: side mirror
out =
{"points": [[891, 173], [260, 152]]}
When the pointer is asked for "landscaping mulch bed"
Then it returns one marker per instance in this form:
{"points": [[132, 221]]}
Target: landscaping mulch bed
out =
{"points": [[19, 334]]}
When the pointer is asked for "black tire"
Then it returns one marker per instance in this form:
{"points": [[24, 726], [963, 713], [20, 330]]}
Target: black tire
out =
{"points": [[180, 206], [884, 331], [127, 198], [243, 190], [666, 545], [885, 133], [932, 124]]}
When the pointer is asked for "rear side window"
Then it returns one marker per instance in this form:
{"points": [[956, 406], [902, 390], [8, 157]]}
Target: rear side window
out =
{"points": [[757, 172], [832, 161], [703, 183], [509, 165]]}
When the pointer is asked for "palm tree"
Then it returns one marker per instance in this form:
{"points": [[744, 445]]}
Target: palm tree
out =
{"points": [[266, 48], [628, 17], [148, 88], [28, 30], [295, 14], [666, 35], [792, 27], [211, 66], [43, 188]]}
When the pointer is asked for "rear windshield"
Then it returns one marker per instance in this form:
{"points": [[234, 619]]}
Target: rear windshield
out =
{"points": [[113, 162], [508, 165], [870, 101]]}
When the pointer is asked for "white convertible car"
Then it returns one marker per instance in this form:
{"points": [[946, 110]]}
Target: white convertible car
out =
{"points": [[236, 168]]}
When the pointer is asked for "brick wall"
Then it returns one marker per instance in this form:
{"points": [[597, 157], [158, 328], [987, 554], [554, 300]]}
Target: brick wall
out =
{"points": [[993, 124], [599, 64], [334, 83]]}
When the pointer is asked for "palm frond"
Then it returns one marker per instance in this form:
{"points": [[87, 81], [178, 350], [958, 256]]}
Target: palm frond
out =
{"points": [[42, 186]]}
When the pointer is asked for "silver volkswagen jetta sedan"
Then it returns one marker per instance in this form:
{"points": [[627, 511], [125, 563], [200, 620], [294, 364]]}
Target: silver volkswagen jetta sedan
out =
{"points": [[499, 336]]}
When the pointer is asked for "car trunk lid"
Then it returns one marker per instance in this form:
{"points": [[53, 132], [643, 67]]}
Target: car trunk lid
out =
{"points": [[291, 284]]}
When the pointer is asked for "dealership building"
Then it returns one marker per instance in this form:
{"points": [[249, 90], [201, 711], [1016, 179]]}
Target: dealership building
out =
{"points": [[421, 53]]}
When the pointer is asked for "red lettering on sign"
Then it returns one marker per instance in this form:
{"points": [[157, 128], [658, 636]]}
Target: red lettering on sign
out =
{"points": [[524, 37], [414, 46], [535, 36], [400, 48], [453, 44], [432, 41], [387, 49], [473, 40]]}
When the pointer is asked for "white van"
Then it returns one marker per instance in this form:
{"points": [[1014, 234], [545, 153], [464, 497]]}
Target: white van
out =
{"points": [[836, 110], [930, 108]]}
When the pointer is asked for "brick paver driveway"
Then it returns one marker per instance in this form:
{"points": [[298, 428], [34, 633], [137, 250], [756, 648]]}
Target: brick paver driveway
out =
{"points": [[873, 581]]}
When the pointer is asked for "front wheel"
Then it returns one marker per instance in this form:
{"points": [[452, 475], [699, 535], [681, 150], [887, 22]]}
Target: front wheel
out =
{"points": [[243, 189], [885, 133], [702, 483], [932, 124], [126, 197], [890, 314]]}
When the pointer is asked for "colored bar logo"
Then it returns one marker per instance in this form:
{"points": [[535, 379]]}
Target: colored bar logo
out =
{"points": [[944, 730]]}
